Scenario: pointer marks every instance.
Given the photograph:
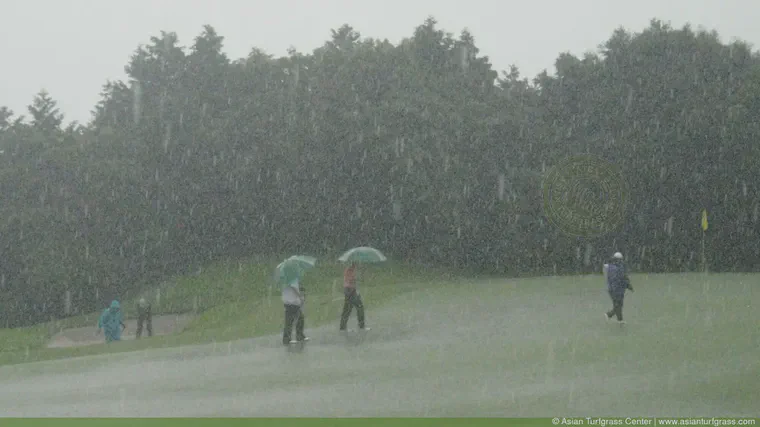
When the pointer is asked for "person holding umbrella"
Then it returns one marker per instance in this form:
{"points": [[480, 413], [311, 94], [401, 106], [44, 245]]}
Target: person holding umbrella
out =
{"points": [[288, 273], [293, 297], [617, 283], [352, 299]]}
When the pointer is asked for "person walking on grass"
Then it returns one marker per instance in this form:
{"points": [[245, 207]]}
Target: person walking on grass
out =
{"points": [[617, 283], [293, 297], [110, 321], [144, 316], [352, 299]]}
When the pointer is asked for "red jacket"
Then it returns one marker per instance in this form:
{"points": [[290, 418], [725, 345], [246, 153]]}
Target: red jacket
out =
{"points": [[349, 278]]}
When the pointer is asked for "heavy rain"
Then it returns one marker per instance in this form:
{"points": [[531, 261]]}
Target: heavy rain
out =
{"points": [[377, 228]]}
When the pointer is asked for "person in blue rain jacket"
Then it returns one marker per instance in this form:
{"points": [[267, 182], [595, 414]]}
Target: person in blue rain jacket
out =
{"points": [[617, 283], [111, 323]]}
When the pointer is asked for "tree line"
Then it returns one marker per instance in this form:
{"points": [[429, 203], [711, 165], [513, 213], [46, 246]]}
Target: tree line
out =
{"points": [[419, 148]]}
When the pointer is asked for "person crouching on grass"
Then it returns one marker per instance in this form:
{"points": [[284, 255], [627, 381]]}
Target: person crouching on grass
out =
{"points": [[617, 283], [352, 299], [293, 298]]}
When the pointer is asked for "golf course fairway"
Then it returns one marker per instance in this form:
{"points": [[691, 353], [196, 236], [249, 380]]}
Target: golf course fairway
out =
{"points": [[517, 348]]}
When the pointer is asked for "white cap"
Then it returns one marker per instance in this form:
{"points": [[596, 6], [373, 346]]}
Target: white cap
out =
{"points": [[618, 255]]}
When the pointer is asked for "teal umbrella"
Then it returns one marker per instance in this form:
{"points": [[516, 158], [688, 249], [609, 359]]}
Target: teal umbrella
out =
{"points": [[305, 261], [363, 254], [293, 268]]}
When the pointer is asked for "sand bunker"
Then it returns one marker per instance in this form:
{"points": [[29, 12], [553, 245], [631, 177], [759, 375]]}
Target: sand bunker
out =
{"points": [[162, 325]]}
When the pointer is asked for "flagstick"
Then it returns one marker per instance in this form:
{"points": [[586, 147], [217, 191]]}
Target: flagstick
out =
{"points": [[704, 230], [704, 259]]}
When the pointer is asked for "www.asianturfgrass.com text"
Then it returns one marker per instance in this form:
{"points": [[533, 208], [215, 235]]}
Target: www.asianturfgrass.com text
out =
{"points": [[652, 421]]}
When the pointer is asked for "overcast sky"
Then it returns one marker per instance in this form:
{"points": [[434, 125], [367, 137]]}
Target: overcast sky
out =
{"points": [[71, 47]]}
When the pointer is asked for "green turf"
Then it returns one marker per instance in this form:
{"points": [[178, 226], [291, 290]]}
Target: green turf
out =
{"points": [[527, 347], [233, 300]]}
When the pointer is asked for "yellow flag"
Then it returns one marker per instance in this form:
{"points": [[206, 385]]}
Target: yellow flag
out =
{"points": [[704, 219]]}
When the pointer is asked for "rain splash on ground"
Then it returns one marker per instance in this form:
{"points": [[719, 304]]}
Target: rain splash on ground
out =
{"points": [[502, 348]]}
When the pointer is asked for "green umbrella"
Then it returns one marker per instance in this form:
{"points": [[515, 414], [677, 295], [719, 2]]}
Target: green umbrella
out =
{"points": [[293, 268], [304, 260], [362, 254]]}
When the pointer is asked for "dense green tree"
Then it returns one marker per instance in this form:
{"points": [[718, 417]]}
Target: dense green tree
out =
{"points": [[419, 148], [46, 117], [5, 118]]}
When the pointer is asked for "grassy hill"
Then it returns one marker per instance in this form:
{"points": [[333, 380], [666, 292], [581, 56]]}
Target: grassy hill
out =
{"points": [[233, 299]]}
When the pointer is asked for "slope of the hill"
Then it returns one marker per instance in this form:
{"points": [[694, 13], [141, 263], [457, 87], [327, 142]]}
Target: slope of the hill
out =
{"points": [[530, 347]]}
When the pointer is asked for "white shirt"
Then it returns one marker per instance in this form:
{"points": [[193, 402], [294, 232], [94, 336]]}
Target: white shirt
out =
{"points": [[290, 295]]}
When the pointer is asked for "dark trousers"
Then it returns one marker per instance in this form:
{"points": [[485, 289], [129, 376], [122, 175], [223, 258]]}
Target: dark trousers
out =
{"points": [[617, 307], [352, 299], [148, 321], [293, 314]]}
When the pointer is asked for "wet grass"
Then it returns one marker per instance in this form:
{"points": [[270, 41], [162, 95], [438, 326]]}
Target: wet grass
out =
{"points": [[233, 300], [523, 347]]}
